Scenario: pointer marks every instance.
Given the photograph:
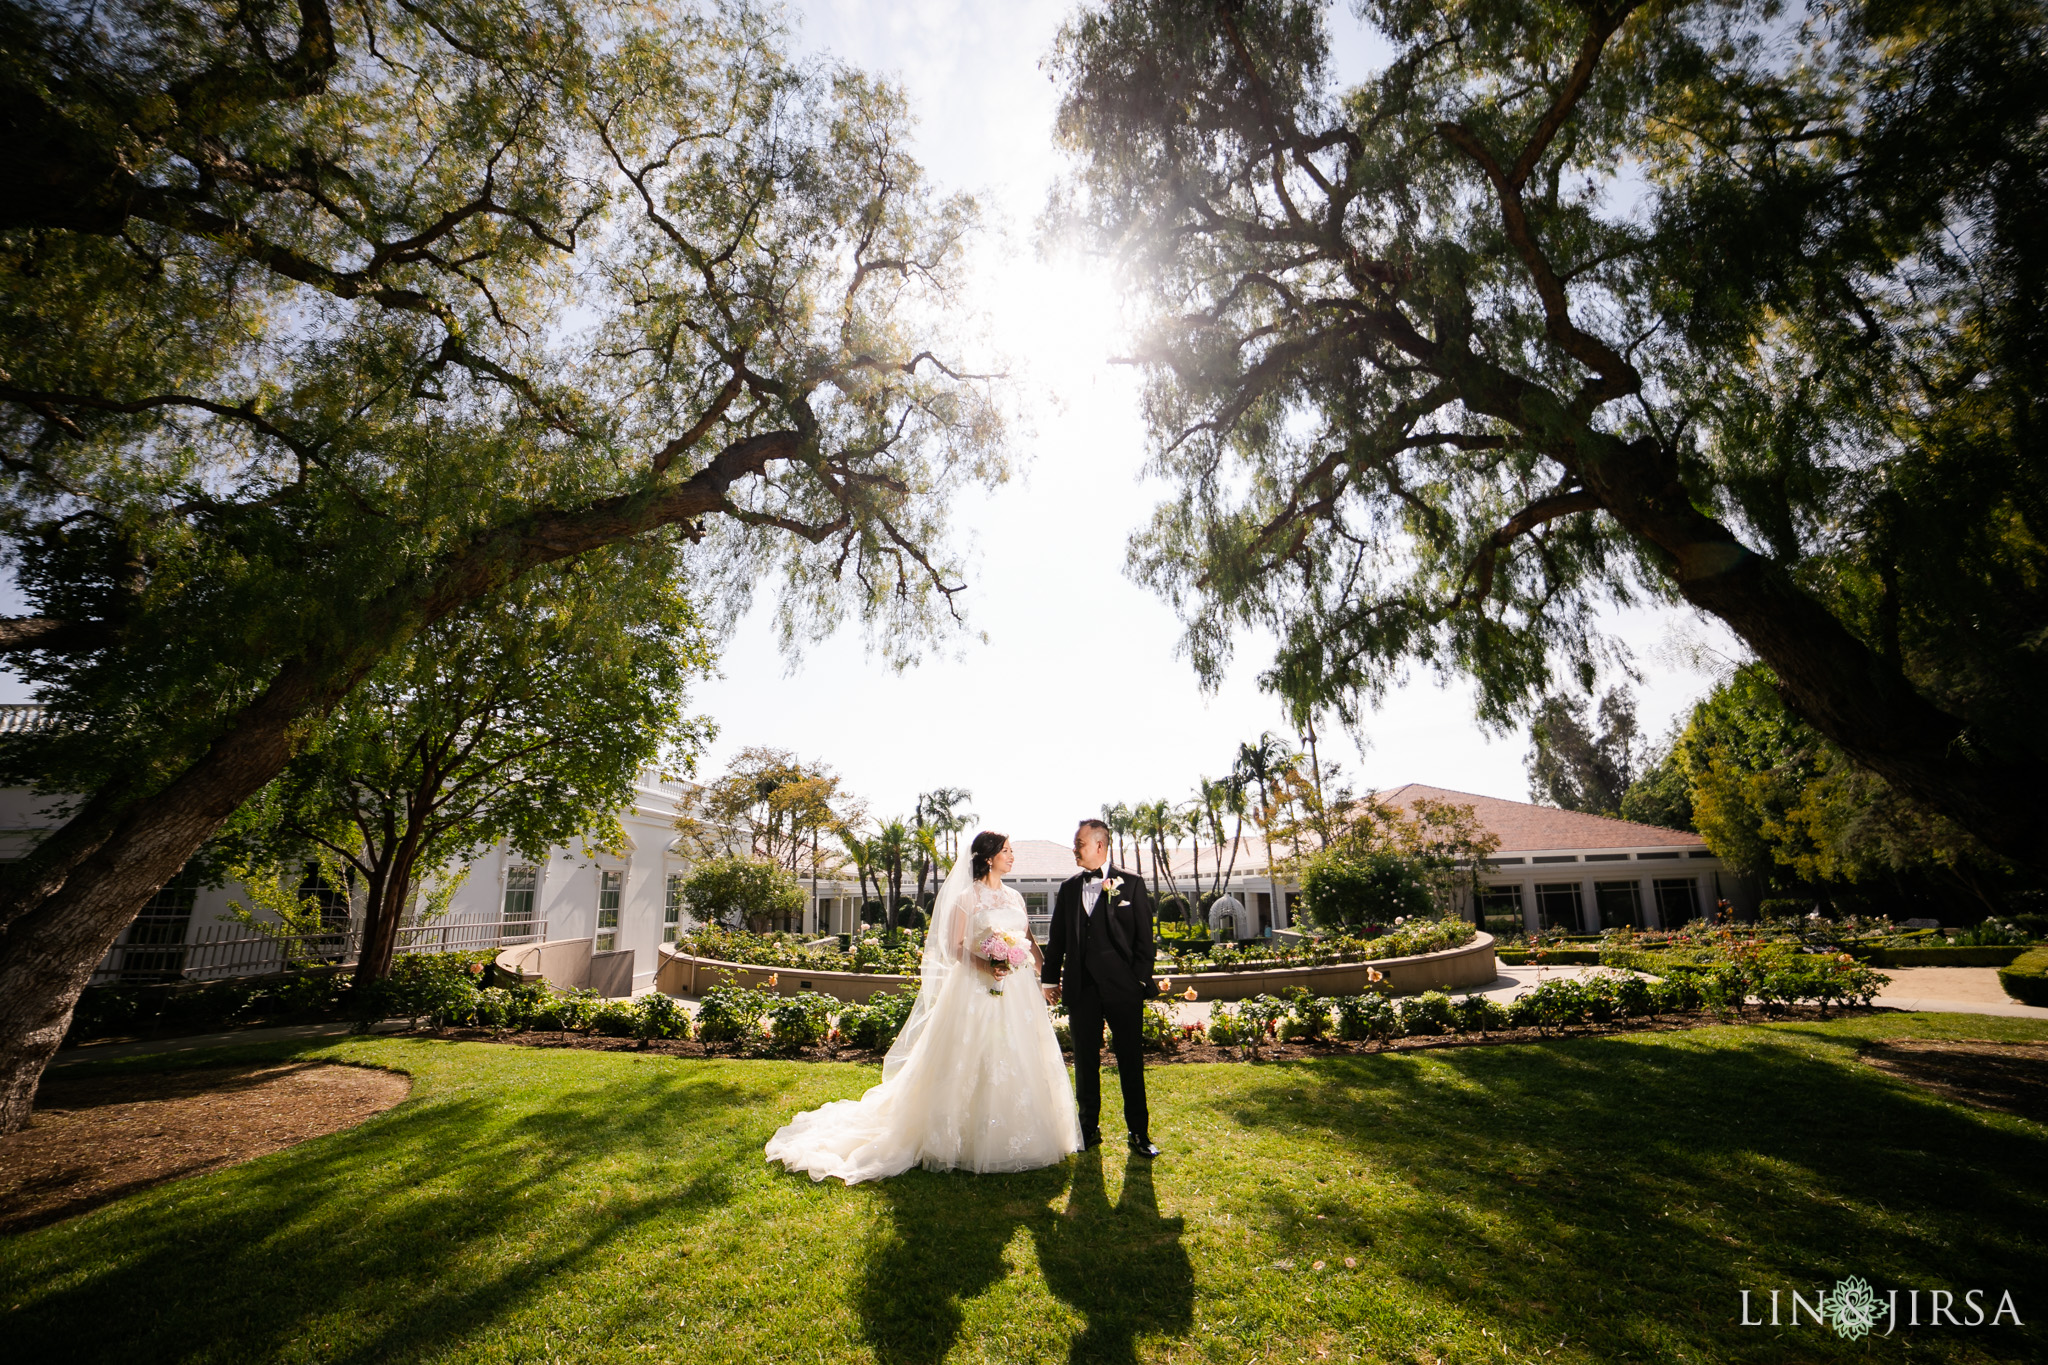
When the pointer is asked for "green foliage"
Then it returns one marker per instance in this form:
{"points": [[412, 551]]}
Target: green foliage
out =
{"points": [[1429, 1013], [1367, 1016], [661, 1016], [438, 986], [750, 890], [2026, 979], [1157, 1032], [800, 1021], [1578, 762], [1254, 955], [1308, 1017], [1350, 890], [732, 1014], [874, 1025], [1172, 910], [1477, 1014], [615, 1019], [569, 1011], [1421, 396]]}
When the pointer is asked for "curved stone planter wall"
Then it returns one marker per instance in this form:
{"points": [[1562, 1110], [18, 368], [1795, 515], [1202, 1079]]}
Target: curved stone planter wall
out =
{"points": [[680, 974], [1460, 968], [1452, 969]]}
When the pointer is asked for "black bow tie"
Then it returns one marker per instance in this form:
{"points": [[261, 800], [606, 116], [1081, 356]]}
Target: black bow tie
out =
{"points": [[1094, 876]]}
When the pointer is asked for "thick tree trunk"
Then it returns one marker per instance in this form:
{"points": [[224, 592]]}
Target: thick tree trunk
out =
{"points": [[63, 906], [1844, 688]]}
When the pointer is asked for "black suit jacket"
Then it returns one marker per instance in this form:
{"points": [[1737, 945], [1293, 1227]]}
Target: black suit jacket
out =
{"points": [[1128, 922]]}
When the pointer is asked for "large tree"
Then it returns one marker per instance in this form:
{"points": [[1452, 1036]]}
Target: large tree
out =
{"points": [[322, 320], [526, 717], [1433, 383]]}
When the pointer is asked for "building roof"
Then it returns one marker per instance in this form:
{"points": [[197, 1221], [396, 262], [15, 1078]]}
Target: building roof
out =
{"points": [[1521, 827], [1525, 828], [20, 719]]}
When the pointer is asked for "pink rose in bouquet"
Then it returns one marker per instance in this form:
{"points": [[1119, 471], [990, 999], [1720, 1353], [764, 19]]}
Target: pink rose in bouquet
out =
{"points": [[1005, 949]]}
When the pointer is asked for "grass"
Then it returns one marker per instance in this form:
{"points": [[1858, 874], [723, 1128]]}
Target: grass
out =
{"points": [[1578, 1200]]}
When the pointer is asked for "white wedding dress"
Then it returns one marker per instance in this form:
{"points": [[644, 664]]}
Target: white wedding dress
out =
{"points": [[974, 1082]]}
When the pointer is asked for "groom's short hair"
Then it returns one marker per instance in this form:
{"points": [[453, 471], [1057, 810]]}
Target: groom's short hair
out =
{"points": [[1094, 827]]}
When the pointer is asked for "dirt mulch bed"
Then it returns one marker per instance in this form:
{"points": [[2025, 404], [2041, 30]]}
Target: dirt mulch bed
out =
{"points": [[669, 1047], [95, 1138], [2009, 1077]]}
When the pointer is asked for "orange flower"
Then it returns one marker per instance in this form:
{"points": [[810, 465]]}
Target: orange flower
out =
{"points": [[773, 977], [1188, 994], [1165, 984], [1374, 974]]}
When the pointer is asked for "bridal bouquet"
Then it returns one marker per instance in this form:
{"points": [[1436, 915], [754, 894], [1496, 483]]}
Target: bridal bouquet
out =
{"points": [[1010, 949]]}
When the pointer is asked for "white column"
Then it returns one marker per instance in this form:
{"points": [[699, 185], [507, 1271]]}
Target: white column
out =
{"points": [[1589, 906], [1653, 914], [1526, 894]]}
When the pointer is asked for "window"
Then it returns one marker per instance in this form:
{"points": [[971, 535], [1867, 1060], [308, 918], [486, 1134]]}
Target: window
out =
{"points": [[157, 935], [1677, 900], [609, 884], [1500, 910], [1557, 906], [1621, 905], [332, 900], [520, 883], [672, 909]]}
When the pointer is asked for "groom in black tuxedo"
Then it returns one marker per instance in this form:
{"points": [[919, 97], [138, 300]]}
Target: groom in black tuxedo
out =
{"points": [[1102, 921]]}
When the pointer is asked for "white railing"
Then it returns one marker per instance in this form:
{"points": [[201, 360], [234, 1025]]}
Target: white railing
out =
{"points": [[164, 949]]}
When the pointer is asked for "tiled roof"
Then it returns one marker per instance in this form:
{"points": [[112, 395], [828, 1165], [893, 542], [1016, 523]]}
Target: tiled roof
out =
{"points": [[1525, 828], [1521, 827]]}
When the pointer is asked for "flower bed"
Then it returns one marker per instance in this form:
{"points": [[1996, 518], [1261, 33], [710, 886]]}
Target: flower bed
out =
{"points": [[1403, 938]]}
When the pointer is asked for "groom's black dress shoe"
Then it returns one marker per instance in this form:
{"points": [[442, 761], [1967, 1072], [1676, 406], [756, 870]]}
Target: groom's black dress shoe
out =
{"points": [[1141, 1146], [1090, 1139]]}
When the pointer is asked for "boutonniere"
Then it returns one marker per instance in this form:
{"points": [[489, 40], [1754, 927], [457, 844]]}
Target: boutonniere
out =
{"points": [[1111, 886]]}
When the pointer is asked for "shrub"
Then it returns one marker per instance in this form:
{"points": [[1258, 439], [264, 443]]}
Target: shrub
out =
{"points": [[732, 1014], [1262, 1015], [1477, 1014], [2026, 978], [569, 1011], [1156, 1030], [1679, 993], [1634, 996], [1428, 1013], [1365, 1016], [1172, 910], [1344, 888], [495, 1009], [1227, 1027], [1308, 1018], [875, 1025], [662, 1016], [1992, 933], [1552, 1005], [616, 1019], [801, 1021]]}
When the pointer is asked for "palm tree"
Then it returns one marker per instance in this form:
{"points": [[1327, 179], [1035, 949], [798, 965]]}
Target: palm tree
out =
{"points": [[862, 853], [1262, 763], [1212, 801], [1233, 803], [1118, 818], [892, 845], [943, 805]]}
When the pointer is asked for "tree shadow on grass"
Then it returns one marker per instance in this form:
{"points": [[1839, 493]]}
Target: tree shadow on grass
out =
{"points": [[1623, 1195], [392, 1240]]}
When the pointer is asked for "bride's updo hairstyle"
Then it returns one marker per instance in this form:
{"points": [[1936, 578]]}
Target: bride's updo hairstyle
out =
{"points": [[985, 847]]}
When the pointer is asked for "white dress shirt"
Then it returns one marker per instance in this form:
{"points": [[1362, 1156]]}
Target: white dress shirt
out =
{"points": [[1091, 890]]}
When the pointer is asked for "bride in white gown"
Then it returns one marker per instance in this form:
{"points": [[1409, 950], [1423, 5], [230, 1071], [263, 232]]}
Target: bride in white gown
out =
{"points": [[975, 1081]]}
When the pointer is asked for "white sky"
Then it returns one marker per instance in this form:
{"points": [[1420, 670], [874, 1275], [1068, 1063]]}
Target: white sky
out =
{"points": [[1037, 734], [1040, 734]]}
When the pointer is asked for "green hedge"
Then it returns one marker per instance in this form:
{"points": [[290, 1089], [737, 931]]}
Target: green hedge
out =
{"points": [[2026, 979], [1938, 957], [1552, 957]]}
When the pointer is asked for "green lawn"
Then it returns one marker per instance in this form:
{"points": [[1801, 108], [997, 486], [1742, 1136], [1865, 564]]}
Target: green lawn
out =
{"points": [[1593, 1199]]}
